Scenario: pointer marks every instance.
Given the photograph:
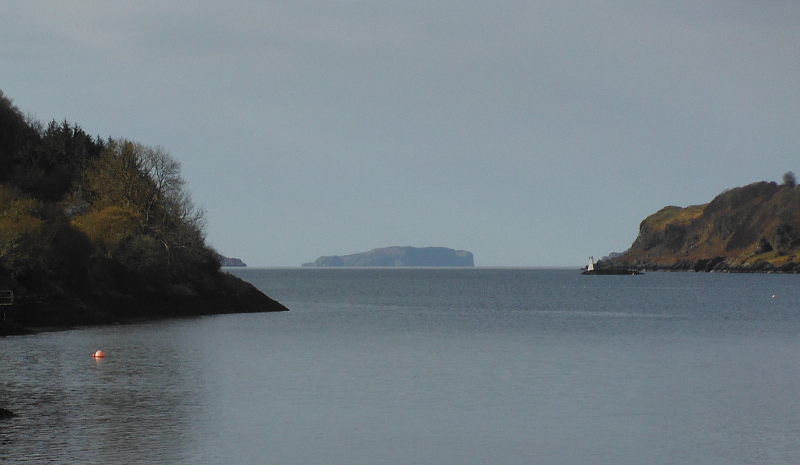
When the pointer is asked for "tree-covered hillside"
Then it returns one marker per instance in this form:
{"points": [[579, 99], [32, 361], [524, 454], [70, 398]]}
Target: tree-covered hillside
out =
{"points": [[86, 223]]}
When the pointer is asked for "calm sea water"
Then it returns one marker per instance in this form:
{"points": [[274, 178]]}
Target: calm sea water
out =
{"points": [[427, 366]]}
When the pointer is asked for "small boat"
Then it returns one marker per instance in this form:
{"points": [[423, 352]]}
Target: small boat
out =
{"points": [[611, 270]]}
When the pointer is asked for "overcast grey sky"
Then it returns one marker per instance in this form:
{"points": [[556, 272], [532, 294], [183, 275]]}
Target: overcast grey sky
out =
{"points": [[532, 133]]}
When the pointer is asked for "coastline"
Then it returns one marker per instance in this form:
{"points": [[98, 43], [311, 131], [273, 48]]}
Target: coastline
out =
{"points": [[718, 265], [33, 314]]}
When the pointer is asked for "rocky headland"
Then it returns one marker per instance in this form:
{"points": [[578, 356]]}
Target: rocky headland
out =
{"points": [[398, 257], [218, 293], [749, 229]]}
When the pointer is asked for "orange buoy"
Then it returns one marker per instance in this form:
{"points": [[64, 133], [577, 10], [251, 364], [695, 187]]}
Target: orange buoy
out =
{"points": [[99, 354]]}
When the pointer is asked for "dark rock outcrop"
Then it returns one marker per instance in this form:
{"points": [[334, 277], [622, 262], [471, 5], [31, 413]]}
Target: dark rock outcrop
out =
{"points": [[400, 256], [6, 414], [9, 328], [224, 293]]}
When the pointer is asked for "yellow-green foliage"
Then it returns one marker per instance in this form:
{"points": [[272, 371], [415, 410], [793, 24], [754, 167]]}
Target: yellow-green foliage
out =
{"points": [[20, 229], [673, 215], [108, 226], [774, 257], [84, 216]]}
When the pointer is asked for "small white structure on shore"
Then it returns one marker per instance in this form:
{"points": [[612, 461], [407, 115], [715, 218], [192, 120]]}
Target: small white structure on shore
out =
{"points": [[591, 264]]}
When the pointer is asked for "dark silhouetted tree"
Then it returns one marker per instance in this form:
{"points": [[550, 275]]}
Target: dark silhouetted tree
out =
{"points": [[789, 179]]}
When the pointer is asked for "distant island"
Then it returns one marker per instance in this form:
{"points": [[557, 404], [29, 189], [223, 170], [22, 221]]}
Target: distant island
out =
{"points": [[755, 228], [97, 231], [228, 261], [399, 256]]}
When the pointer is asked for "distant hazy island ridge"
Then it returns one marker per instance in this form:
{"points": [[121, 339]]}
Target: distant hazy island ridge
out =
{"points": [[230, 261], [755, 228], [398, 257]]}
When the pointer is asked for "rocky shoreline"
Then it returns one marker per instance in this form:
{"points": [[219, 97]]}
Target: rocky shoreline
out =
{"points": [[32, 313], [716, 265]]}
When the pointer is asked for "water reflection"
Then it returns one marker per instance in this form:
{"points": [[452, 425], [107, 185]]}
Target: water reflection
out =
{"points": [[517, 367], [134, 406]]}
